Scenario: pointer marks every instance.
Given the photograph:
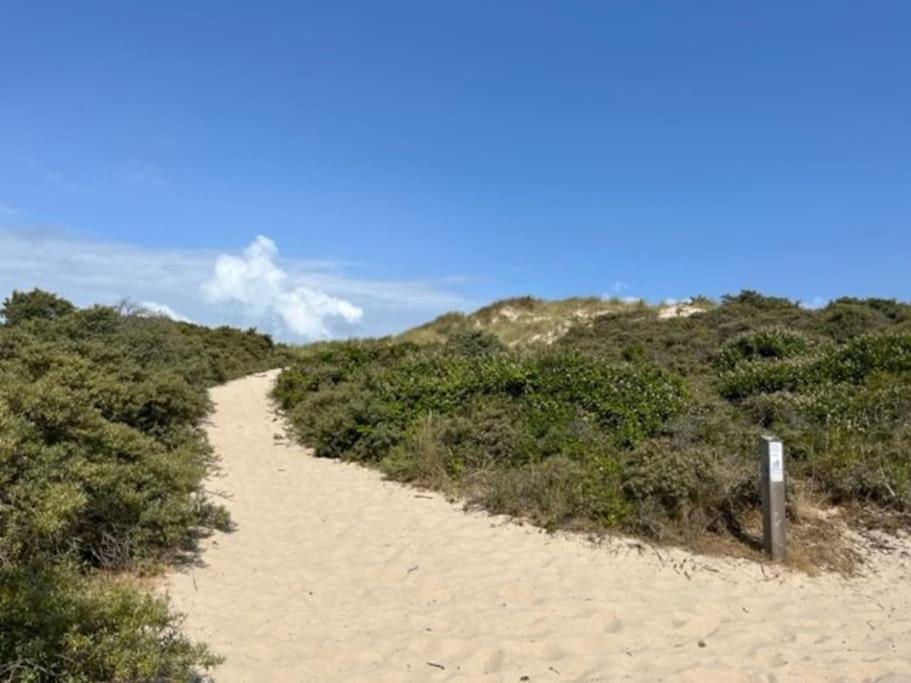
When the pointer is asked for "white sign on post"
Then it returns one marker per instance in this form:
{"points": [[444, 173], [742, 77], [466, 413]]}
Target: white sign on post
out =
{"points": [[776, 461]]}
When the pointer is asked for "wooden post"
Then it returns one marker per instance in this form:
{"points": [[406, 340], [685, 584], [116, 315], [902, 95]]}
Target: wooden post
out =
{"points": [[774, 520]]}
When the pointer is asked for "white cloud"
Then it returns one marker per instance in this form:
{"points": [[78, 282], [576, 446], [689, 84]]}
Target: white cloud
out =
{"points": [[155, 308], [286, 295], [621, 286], [255, 281], [817, 303]]}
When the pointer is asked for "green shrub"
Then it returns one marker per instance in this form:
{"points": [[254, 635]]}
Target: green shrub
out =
{"points": [[427, 455], [672, 478], [763, 344], [470, 414], [58, 625], [19, 307], [101, 464], [324, 365], [852, 468], [628, 419], [852, 362], [759, 377], [557, 492], [363, 417], [846, 318], [474, 343]]}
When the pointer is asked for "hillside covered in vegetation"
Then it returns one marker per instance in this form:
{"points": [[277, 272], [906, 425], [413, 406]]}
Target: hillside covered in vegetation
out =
{"points": [[101, 467], [631, 418], [525, 320]]}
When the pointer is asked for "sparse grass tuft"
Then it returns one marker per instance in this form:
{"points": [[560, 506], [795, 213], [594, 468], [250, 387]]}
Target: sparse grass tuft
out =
{"points": [[522, 320]]}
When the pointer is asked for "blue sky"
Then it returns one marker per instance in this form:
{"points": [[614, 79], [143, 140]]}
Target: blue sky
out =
{"points": [[408, 158]]}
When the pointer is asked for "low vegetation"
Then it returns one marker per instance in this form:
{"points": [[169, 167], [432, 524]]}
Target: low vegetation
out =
{"points": [[631, 419], [101, 464], [522, 320]]}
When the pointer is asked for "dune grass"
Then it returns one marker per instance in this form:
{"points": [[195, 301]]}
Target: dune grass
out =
{"points": [[522, 320]]}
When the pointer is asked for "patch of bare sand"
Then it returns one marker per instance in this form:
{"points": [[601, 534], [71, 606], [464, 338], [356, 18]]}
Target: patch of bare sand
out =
{"points": [[682, 310], [335, 575]]}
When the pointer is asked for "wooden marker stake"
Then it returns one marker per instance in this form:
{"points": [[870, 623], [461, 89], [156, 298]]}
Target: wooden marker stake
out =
{"points": [[774, 519]]}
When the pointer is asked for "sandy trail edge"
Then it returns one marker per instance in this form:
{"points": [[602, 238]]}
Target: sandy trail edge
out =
{"points": [[336, 575]]}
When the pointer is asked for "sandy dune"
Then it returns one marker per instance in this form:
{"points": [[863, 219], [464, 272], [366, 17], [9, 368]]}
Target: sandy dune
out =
{"points": [[335, 575]]}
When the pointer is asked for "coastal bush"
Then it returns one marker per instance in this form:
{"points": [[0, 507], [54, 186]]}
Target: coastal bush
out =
{"points": [[629, 419], [851, 362], [770, 343], [846, 318], [662, 474], [101, 468], [59, 624], [470, 411], [35, 305], [558, 492]]}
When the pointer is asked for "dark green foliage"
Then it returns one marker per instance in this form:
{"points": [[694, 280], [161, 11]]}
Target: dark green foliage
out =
{"points": [[558, 491], [833, 383], [474, 343], [35, 305], [668, 476], [630, 419], [852, 362], [848, 317], [76, 482], [59, 625], [762, 345], [689, 345], [101, 463], [452, 412]]}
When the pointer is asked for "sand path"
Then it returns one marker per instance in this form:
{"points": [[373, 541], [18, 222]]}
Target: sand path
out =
{"points": [[335, 575]]}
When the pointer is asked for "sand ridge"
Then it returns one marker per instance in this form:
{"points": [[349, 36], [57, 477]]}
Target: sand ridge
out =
{"points": [[336, 575]]}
